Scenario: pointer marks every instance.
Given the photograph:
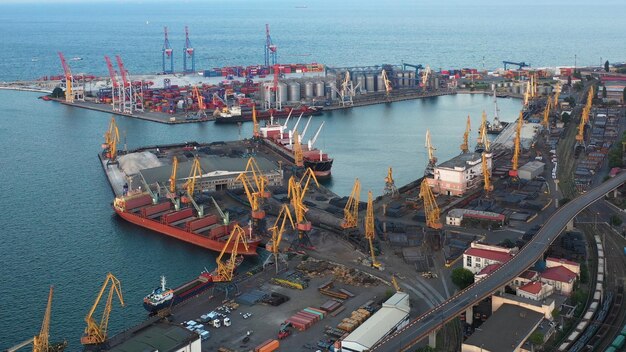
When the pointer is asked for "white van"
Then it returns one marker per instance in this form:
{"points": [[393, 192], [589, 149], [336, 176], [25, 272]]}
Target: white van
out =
{"points": [[204, 335]]}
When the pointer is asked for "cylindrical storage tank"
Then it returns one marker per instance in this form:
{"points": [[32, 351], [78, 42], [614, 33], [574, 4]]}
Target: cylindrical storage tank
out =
{"points": [[293, 91], [411, 80], [380, 84], [360, 83], [319, 89], [400, 77], [369, 82], [308, 90], [436, 82], [330, 89], [282, 91]]}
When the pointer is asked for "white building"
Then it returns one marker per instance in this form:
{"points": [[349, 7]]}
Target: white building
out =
{"points": [[535, 290], [392, 316], [459, 174], [479, 255], [561, 278]]}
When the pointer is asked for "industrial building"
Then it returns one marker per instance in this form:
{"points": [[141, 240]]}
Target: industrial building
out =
{"points": [[479, 256], [455, 216], [561, 278], [392, 316], [506, 330], [458, 175], [162, 337], [218, 172], [530, 170]]}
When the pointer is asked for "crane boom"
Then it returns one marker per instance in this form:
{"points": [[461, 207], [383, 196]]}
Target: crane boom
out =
{"points": [[40, 342], [468, 128], [546, 114], [173, 175], [306, 127], [370, 231], [69, 79], [194, 174], [277, 231], [557, 92], [386, 82], [516, 146], [312, 141], [255, 124], [351, 210], [123, 71], [486, 174], [431, 209], [96, 333], [298, 155], [225, 270], [390, 184]]}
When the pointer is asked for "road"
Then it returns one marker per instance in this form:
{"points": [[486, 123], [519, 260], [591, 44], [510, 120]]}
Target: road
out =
{"points": [[449, 309]]}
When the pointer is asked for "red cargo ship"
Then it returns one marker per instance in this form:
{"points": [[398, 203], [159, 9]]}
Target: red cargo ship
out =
{"points": [[183, 224], [275, 136]]}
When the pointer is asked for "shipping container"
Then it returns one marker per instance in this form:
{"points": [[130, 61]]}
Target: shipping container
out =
{"points": [[155, 209], [138, 201], [207, 220], [177, 215], [267, 346]]}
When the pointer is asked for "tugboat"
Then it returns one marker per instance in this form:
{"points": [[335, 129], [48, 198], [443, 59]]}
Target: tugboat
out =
{"points": [[163, 297]]}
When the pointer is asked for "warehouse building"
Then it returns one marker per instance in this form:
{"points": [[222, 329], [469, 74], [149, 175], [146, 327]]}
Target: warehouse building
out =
{"points": [[162, 337], [218, 173], [458, 175], [530, 170], [392, 316], [455, 216]]}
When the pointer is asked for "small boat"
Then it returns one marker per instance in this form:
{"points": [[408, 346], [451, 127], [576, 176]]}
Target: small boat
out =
{"points": [[496, 126], [76, 58], [35, 59], [163, 297]]}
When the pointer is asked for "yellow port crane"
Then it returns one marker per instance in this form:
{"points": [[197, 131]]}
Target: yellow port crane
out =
{"points": [[225, 269], [488, 187], [351, 210], [255, 124], [69, 79], [527, 94], [588, 104], [40, 342], [533, 85], [254, 183], [298, 155], [431, 209], [173, 175], [370, 231], [194, 174], [425, 76], [200, 101], [432, 159], [297, 191], [546, 114], [111, 138], [277, 231], [481, 143], [390, 184], [516, 146], [386, 82], [96, 333], [557, 92], [468, 128]]}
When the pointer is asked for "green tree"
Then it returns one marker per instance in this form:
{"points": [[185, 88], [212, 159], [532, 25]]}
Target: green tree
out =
{"points": [[615, 220], [536, 338], [508, 243], [556, 313], [606, 66], [462, 277], [604, 92], [584, 273], [57, 93], [578, 86]]}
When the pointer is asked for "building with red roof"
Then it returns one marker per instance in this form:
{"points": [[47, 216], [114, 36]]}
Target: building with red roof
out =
{"points": [[572, 266], [561, 278], [535, 290], [479, 256]]}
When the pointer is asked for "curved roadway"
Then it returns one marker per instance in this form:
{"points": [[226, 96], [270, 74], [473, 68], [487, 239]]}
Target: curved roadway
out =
{"points": [[530, 253]]}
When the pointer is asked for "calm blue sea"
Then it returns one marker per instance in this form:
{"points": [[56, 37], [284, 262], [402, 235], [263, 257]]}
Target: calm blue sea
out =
{"points": [[56, 225]]}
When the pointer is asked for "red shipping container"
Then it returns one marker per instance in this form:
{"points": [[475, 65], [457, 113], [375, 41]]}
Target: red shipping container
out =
{"points": [[161, 207], [137, 202], [177, 215], [202, 222]]}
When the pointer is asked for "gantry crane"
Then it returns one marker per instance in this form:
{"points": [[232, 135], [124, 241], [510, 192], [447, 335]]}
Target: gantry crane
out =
{"points": [[173, 175], [225, 269], [96, 333], [167, 54], [254, 183], [131, 99], [390, 184], [347, 91], [488, 187], [188, 54], [386, 82], [432, 159], [370, 231], [468, 128], [431, 209], [516, 147], [351, 210], [297, 191], [111, 138], [481, 143], [277, 232], [519, 64], [116, 90], [546, 114], [298, 155], [270, 49]]}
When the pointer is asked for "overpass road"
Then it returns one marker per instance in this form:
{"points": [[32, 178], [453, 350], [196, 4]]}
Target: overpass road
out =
{"points": [[434, 319]]}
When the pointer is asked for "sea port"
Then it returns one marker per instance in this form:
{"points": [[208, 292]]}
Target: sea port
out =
{"points": [[327, 200]]}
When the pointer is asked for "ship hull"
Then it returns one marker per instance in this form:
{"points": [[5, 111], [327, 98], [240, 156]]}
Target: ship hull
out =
{"points": [[181, 294], [189, 237], [321, 168], [265, 115]]}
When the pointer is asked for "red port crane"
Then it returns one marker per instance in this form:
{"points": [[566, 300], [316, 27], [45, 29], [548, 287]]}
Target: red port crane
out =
{"points": [[188, 54], [167, 54], [116, 93]]}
